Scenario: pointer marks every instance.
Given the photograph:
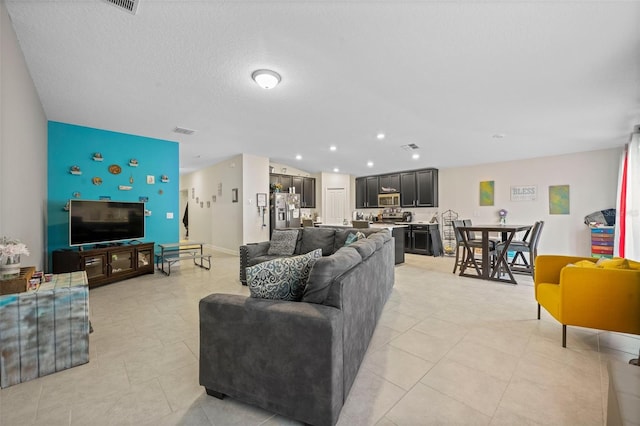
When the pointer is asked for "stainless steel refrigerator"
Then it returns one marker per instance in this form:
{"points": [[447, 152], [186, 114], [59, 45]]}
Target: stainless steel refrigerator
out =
{"points": [[285, 210]]}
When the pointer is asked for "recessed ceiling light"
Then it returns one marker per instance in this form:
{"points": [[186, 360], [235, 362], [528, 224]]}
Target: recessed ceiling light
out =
{"points": [[415, 156], [369, 163], [498, 135], [298, 157], [380, 136], [336, 170], [266, 79], [332, 148]]}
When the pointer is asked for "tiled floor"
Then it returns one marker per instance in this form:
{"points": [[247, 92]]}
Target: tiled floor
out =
{"points": [[447, 350]]}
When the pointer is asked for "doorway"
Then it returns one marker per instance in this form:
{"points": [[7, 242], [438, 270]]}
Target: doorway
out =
{"points": [[184, 215], [336, 200]]}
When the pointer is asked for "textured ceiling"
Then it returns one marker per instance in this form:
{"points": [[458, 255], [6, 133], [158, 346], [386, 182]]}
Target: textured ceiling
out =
{"points": [[552, 77]]}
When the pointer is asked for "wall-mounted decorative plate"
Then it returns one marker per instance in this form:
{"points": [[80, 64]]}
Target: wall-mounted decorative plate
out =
{"points": [[97, 156], [75, 170], [133, 163], [97, 180], [115, 169]]}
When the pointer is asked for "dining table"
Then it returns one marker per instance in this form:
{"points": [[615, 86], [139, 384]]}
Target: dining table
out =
{"points": [[485, 270]]}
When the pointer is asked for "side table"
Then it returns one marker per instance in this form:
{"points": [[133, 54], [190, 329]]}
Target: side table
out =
{"points": [[45, 330]]}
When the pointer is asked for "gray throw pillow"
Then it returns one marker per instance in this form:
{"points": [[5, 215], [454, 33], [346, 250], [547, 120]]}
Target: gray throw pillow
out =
{"points": [[283, 242], [283, 278]]}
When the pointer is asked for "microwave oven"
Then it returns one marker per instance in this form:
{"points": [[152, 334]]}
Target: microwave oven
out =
{"points": [[389, 200]]}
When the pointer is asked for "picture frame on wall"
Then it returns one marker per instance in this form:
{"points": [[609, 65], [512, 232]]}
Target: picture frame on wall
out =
{"points": [[234, 195]]}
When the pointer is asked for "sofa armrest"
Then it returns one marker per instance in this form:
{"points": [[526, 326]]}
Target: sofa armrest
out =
{"points": [[548, 267], [249, 251], [285, 357]]}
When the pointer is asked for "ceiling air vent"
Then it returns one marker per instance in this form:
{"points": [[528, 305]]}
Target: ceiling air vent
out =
{"points": [[410, 147], [130, 6], [184, 131]]}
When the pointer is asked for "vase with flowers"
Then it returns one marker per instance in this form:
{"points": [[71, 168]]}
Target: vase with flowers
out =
{"points": [[503, 216], [10, 252], [276, 187]]}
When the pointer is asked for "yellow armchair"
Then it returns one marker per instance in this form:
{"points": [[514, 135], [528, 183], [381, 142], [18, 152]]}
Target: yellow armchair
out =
{"points": [[588, 296]]}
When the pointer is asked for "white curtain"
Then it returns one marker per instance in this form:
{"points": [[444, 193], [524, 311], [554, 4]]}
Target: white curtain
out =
{"points": [[627, 236]]}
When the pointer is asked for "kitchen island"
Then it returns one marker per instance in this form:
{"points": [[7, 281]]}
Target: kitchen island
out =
{"points": [[397, 232]]}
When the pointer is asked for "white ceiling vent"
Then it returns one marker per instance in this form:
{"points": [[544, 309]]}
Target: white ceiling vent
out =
{"points": [[184, 131], [410, 147], [130, 6]]}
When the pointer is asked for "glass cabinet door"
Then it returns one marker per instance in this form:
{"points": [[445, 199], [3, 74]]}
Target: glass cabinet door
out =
{"points": [[121, 261], [145, 259], [95, 266]]}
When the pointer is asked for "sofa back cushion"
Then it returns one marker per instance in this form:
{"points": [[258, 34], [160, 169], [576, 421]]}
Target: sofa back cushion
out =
{"points": [[365, 247], [283, 278], [326, 270], [283, 242], [314, 238]]}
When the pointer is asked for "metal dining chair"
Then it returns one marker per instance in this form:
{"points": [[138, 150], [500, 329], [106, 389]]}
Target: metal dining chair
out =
{"points": [[474, 243], [520, 247], [360, 223]]}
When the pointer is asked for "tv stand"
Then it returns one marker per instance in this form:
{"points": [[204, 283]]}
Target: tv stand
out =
{"points": [[108, 264]]}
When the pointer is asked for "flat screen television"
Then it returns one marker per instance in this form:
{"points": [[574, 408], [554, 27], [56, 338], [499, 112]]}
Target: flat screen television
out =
{"points": [[96, 222]]}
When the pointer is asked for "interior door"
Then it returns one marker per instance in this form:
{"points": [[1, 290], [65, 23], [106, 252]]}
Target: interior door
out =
{"points": [[335, 206]]}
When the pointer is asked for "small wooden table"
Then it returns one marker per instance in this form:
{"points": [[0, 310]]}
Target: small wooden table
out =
{"points": [[175, 252], [484, 270]]}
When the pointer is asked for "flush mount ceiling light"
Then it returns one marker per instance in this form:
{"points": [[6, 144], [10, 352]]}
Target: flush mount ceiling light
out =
{"points": [[415, 156], [369, 163], [380, 136], [332, 148], [266, 79], [298, 157], [336, 170]]}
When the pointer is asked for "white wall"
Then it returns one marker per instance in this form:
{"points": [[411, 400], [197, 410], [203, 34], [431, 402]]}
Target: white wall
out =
{"points": [[23, 149], [592, 177], [255, 179], [219, 226]]}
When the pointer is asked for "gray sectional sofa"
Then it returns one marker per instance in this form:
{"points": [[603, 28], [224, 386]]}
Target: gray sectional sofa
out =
{"points": [[299, 359], [328, 239]]}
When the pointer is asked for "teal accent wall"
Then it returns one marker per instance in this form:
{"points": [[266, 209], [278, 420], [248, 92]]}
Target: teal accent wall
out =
{"points": [[71, 145]]}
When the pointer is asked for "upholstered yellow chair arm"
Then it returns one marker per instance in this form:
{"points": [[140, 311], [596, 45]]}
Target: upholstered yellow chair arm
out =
{"points": [[548, 267]]}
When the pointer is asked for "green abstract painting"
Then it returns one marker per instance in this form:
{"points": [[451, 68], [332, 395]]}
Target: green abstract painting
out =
{"points": [[486, 193], [559, 199]]}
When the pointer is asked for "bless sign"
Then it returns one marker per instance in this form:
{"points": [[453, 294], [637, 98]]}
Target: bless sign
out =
{"points": [[524, 192]]}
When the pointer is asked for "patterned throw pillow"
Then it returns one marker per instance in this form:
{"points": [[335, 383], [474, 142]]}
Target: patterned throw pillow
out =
{"points": [[283, 278], [283, 242]]}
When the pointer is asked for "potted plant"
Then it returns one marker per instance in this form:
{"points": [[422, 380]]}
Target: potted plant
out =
{"points": [[10, 252]]}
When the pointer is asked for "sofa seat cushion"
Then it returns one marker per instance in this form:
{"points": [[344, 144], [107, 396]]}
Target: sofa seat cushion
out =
{"points": [[283, 242], [283, 278], [327, 270], [313, 238]]}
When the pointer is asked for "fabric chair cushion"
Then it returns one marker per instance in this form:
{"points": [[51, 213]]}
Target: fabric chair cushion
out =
{"points": [[282, 278], [283, 242]]}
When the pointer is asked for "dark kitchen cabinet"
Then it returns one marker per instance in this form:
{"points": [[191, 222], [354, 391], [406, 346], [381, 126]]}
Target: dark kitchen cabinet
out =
{"points": [[308, 192], [367, 192], [419, 188], [408, 189], [427, 188], [389, 183], [285, 180], [305, 186], [423, 239]]}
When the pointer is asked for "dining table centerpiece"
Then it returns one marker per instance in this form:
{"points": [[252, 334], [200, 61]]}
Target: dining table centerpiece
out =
{"points": [[10, 252], [503, 216]]}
